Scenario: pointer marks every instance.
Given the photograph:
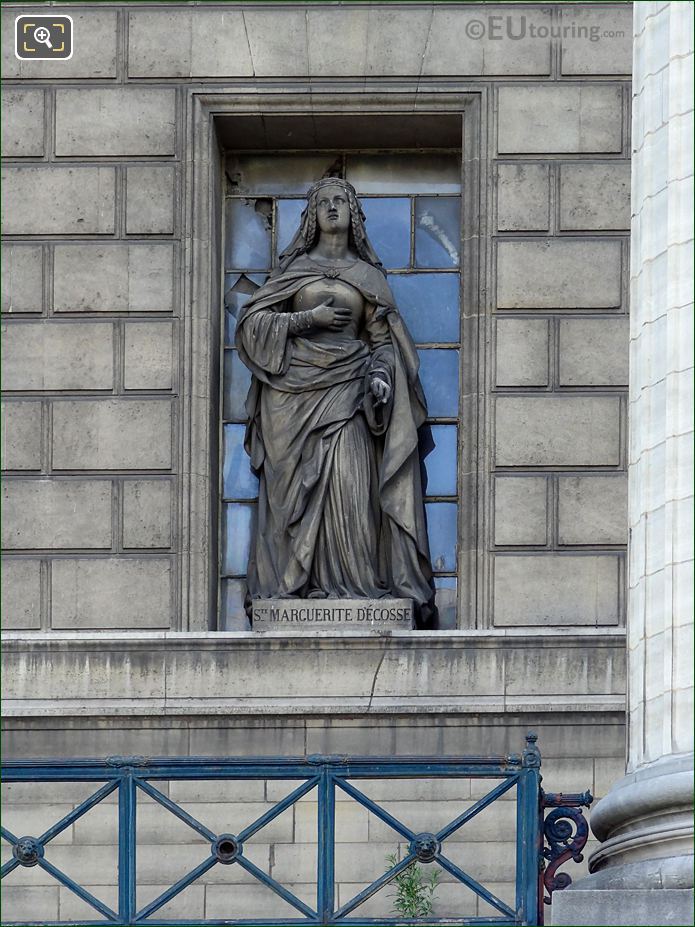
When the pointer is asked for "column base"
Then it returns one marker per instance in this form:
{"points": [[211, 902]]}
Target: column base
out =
{"points": [[637, 908], [642, 874]]}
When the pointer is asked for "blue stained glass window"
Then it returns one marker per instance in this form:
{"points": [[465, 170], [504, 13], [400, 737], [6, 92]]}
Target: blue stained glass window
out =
{"points": [[437, 231], [238, 288], [445, 597], [233, 616], [429, 304], [237, 524], [237, 379], [441, 530], [388, 227], [238, 480], [440, 463], [288, 214], [439, 373], [248, 234]]}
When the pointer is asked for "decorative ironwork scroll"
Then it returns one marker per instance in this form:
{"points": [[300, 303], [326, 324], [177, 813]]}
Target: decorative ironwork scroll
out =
{"points": [[566, 831]]}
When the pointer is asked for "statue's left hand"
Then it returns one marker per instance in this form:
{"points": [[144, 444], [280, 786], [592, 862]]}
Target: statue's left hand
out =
{"points": [[380, 390]]}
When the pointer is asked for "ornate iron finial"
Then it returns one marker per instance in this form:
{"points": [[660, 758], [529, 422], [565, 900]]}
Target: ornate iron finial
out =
{"points": [[27, 851], [532, 755], [425, 846]]}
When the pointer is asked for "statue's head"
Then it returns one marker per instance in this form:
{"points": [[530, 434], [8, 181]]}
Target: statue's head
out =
{"points": [[332, 205]]}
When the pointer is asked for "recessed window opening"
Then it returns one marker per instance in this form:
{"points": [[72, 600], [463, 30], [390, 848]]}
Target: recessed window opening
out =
{"points": [[412, 201]]}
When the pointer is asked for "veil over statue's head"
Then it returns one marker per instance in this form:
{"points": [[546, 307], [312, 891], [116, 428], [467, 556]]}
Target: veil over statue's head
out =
{"points": [[308, 232]]}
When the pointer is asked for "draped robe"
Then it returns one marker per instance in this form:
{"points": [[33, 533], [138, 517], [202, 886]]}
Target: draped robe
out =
{"points": [[340, 509]]}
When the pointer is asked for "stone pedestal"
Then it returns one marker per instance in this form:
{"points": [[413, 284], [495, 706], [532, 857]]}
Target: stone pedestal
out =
{"points": [[306, 616]]}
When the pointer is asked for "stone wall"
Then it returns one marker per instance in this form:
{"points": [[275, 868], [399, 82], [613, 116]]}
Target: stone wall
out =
{"points": [[97, 294], [107, 545]]}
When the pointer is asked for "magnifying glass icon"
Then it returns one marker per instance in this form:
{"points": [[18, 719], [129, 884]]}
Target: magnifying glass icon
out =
{"points": [[43, 35]]}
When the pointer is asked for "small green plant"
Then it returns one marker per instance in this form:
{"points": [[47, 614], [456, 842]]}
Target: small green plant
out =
{"points": [[414, 895]]}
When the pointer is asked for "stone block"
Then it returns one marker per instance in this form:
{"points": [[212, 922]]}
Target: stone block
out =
{"points": [[158, 827], [150, 195], [490, 824], [96, 35], [351, 822], [278, 41], [100, 738], [147, 513], [562, 119], [51, 355], [636, 907], [594, 352], [22, 278], [550, 589], [522, 352], [521, 510], [568, 774], [22, 117], [597, 40], [189, 904], [21, 594], [463, 42], [58, 200], [607, 771], [30, 902], [343, 59], [113, 277], [592, 509], [112, 434], [396, 40], [21, 435], [558, 274], [36, 819], [148, 355], [551, 431], [255, 900], [110, 594], [121, 121], [56, 514], [269, 740], [595, 196], [186, 43], [523, 197], [221, 790]]}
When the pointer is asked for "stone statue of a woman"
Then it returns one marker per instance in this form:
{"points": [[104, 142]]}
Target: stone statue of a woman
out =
{"points": [[334, 407]]}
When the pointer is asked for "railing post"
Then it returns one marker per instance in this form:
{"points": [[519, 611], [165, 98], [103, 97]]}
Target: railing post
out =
{"points": [[127, 804], [528, 837], [326, 846]]}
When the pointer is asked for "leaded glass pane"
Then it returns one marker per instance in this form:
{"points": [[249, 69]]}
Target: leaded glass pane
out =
{"points": [[404, 173], [440, 463], [248, 234], [437, 231], [288, 214], [232, 614], [441, 530], [237, 290], [439, 373], [238, 480], [429, 304], [445, 597], [388, 227], [237, 524], [237, 379]]}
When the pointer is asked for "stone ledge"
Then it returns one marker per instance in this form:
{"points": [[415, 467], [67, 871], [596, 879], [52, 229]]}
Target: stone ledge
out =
{"points": [[169, 673]]}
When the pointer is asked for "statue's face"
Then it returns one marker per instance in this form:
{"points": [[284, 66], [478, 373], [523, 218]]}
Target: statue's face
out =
{"points": [[332, 209]]}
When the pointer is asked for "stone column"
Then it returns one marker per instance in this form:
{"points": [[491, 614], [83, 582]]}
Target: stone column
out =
{"points": [[645, 823]]}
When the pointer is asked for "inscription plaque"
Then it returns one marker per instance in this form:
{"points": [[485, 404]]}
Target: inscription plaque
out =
{"points": [[309, 615]]}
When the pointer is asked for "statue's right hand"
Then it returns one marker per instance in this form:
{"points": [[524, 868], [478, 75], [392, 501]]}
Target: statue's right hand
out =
{"points": [[329, 316]]}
